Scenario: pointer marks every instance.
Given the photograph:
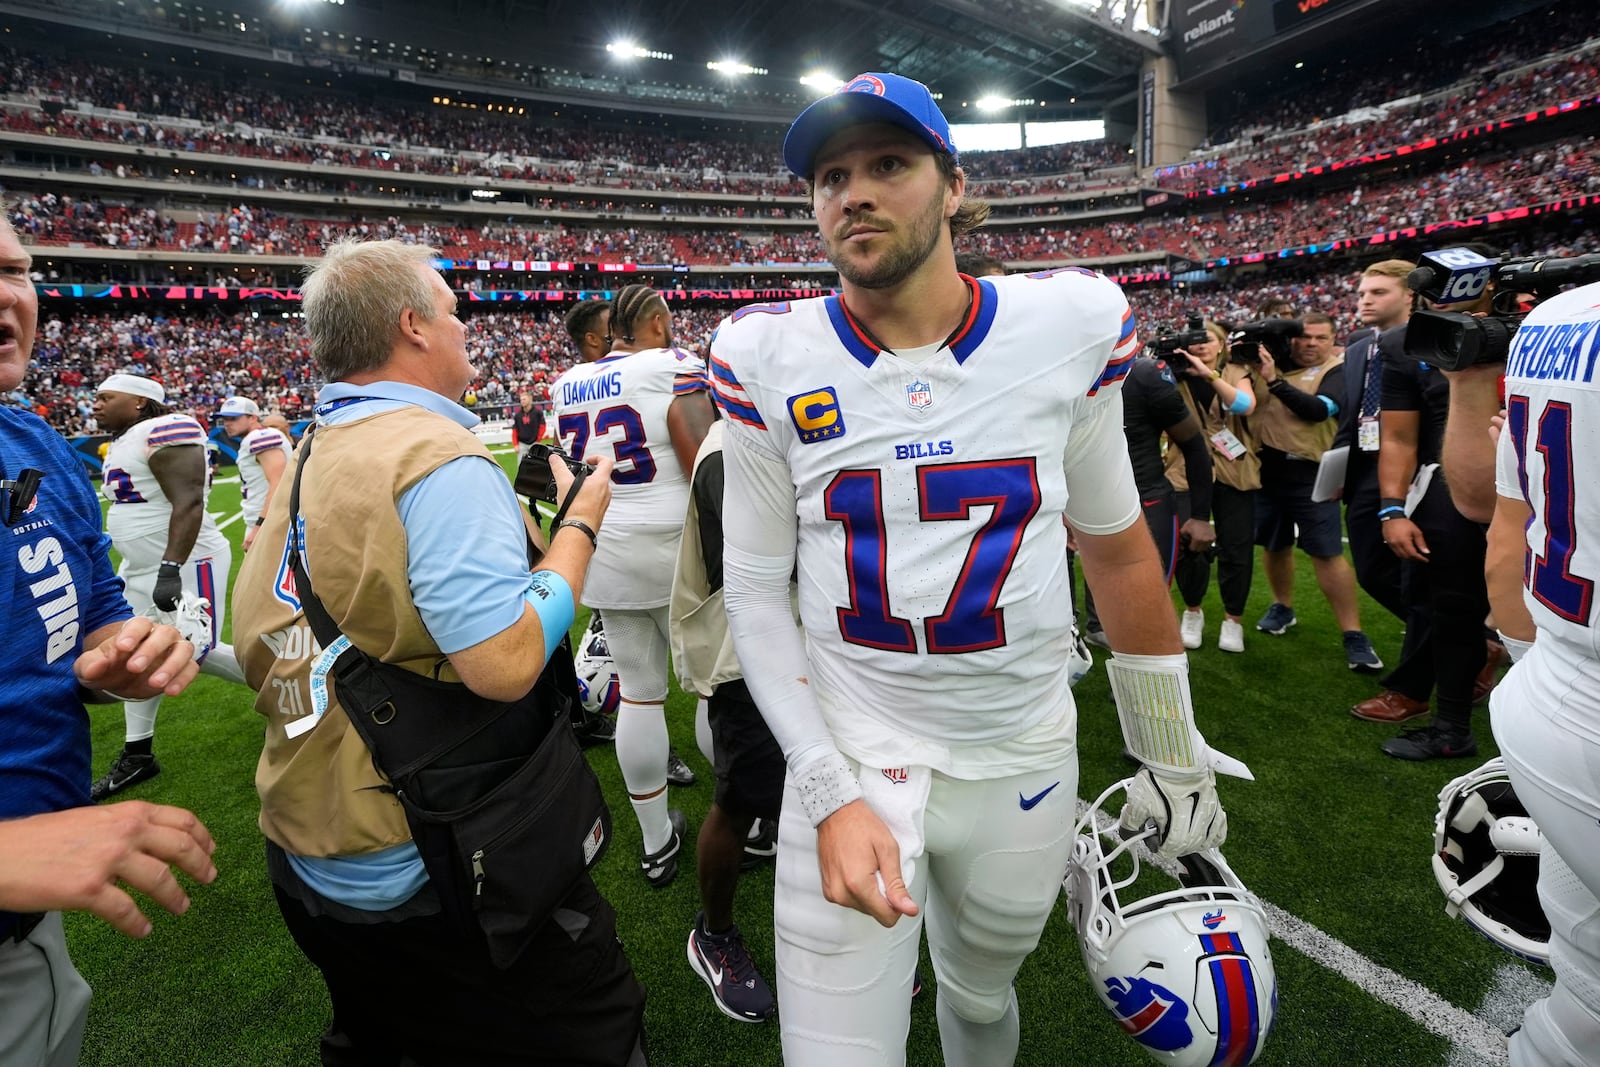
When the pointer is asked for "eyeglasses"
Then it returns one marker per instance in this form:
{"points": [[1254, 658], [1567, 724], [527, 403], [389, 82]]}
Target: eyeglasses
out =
{"points": [[18, 494]]}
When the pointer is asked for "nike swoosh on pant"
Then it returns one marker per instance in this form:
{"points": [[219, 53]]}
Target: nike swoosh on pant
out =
{"points": [[1029, 803]]}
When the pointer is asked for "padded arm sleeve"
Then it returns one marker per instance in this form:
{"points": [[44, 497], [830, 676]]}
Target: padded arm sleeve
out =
{"points": [[759, 542], [1102, 496]]}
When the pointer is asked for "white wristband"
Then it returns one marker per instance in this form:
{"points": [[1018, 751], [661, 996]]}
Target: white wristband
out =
{"points": [[825, 786]]}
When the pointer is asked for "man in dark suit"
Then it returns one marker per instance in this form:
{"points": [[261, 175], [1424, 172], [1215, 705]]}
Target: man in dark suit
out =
{"points": [[1383, 304]]}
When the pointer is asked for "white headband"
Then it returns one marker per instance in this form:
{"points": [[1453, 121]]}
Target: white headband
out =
{"points": [[148, 388]]}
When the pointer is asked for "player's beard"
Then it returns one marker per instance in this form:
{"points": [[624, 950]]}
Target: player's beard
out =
{"points": [[910, 249]]}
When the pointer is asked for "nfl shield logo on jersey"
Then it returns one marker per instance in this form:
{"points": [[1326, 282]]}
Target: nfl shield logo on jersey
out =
{"points": [[920, 394]]}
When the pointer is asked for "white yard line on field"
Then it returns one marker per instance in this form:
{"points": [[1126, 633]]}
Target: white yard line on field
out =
{"points": [[1515, 987], [1475, 1040]]}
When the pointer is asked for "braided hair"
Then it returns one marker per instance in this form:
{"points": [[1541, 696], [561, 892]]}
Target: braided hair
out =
{"points": [[631, 306]]}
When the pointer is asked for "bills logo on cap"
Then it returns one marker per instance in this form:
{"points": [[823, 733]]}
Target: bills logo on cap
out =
{"points": [[865, 83]]}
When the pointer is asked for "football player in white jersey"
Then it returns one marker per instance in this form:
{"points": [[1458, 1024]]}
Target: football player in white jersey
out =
{"points": [[910, 449], [649, 403], [155, 478], [1543, 564], [263, 457]]}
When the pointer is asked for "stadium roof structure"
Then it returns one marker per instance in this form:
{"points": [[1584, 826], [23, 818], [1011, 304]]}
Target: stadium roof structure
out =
{"points": [[1050, 50]]}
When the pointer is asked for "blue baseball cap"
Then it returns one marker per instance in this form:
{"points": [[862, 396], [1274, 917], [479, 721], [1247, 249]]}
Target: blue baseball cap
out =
{"points": [[865, 98]]}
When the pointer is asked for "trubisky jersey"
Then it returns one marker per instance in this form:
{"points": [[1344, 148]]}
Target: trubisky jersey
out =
{"points": [[930, 492], [140, 511], [619, 404], [252, 479], [1550, 457]]}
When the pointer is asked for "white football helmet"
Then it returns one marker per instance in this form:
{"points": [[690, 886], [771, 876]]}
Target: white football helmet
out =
{"points": [[1080, 661], [1486, 858], [192, 617], [598, 684], [1186, 973]]}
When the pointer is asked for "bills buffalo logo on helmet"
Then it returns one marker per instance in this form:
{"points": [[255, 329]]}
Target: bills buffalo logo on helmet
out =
{"points": [[1155, 1016]]}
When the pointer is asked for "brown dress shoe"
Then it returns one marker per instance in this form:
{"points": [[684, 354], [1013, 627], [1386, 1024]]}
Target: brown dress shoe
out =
{"points": [[1390, 707], [1487, 678]]}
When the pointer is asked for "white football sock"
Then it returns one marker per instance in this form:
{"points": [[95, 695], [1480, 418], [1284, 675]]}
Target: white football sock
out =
{"points": [[140, 718], [642, 754]]}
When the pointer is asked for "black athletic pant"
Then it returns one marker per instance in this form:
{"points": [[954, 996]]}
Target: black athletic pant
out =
{"points": [[1161, 516], [415, 993], [1451, 584], [1386, 579], [1233, 514]]}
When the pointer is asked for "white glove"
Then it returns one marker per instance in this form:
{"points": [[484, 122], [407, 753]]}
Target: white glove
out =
{"points": [[1183, 806]]}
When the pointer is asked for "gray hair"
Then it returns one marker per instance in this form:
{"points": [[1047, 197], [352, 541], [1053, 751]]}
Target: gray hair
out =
{"points": [[353, 300]]}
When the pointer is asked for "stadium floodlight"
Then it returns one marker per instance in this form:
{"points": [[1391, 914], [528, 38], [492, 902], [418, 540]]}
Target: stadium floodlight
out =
{"points": [[991, 102], [629, 50], [733, 68], [822, 81]]}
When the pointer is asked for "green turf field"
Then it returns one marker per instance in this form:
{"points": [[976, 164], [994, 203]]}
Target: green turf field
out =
{"points": [[1332, 832]]}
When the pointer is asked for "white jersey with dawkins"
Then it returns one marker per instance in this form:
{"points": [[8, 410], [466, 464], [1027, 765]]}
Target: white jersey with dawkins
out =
{"points": [[618, 405], [140, 511], [944, 642], [252, 479]]}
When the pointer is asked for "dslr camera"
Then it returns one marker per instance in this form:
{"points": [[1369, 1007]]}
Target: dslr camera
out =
{"points": [[1451, 340], [534, 479], [1168, 341], [1275, 335]]}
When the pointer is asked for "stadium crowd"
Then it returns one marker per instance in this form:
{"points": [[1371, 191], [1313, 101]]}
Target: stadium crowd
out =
{"points": [[1290, 132], [1548, 173], [195, 115], [1370, 107], [203, 359]]}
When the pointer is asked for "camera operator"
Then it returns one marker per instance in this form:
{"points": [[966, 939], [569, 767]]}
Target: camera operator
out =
{"points": [[1152, 406], [1219, 395], [1295, 425], [1442, 550]]}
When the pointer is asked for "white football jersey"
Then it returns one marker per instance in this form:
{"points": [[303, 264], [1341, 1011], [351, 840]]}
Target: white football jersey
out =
{"points": [[931, 492], [1550, 457], [252, 479], [619, 404], [140, 511]]}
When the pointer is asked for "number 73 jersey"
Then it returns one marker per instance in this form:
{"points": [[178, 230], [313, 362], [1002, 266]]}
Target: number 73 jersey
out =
{"points": [[1550, 457], [930, 490]]}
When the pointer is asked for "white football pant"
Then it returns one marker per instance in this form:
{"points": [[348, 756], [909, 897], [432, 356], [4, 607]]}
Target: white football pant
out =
{"points": [[1547, 719], [986, 884]]}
